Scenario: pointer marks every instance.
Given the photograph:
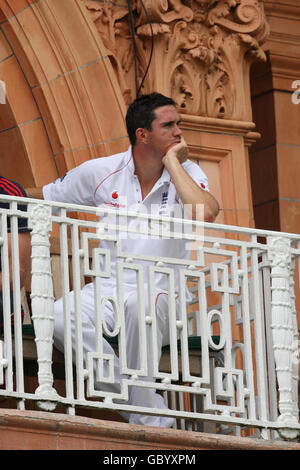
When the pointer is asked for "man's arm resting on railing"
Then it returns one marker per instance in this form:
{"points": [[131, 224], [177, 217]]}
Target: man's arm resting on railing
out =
{"points": [[35, 193]]}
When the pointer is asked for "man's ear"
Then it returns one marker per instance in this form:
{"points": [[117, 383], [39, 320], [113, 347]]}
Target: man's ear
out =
{"points": [[141, 135]]}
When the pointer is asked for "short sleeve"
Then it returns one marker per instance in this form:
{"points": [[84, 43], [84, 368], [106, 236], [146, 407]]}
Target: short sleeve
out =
{"points": [[198, 175], [75, 187]]}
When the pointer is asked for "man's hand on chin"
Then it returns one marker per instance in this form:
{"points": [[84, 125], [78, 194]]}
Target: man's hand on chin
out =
{"points": [[178, 150]]}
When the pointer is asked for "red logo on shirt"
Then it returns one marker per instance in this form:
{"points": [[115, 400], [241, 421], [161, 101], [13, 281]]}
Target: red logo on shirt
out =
{"points": [[115, 195], [202, 185]]}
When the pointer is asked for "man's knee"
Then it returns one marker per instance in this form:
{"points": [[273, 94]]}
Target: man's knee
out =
{"points": [[132, 309]]}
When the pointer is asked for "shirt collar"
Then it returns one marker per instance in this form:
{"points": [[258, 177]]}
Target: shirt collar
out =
{"points": [[165, 177], [131, 167]]}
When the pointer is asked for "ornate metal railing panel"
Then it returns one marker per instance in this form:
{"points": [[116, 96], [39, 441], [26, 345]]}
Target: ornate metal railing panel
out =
{"points": [[244, 371]]}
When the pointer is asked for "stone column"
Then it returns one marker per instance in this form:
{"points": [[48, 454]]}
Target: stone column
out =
{"points": [[283, 329], [42, 301], [199, 53]]}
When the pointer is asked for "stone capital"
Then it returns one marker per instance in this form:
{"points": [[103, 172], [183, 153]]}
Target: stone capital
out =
{"points": [[197, 51]]}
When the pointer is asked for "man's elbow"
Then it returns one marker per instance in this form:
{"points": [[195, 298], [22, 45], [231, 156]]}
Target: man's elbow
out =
{"points": [[209, 217], [204, 215], [204, 212], [211, 214]]}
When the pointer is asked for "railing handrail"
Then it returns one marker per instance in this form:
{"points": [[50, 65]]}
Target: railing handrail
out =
{"points": [[121, 212]]}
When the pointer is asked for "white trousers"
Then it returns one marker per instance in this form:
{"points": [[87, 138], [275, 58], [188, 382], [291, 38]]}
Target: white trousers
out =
{"points": [[138, 396]]}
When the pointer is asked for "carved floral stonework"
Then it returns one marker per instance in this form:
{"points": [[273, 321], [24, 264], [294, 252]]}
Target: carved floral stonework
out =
{"points": [[284, 331], [203, 50]]}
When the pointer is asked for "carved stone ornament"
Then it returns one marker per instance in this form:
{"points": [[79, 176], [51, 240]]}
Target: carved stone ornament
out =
{"points": [[202, 51], [42, 301], [284, 331]]}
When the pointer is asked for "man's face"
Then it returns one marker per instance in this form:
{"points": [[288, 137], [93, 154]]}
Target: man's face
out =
{"points": [[165, 131]]}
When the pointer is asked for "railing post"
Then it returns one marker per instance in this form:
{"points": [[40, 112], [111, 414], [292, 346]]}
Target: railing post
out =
{"points": [[42, 302], [279, 253]]}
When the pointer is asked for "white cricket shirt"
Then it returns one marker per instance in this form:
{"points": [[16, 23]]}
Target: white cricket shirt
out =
{"points": [[111, 182]]}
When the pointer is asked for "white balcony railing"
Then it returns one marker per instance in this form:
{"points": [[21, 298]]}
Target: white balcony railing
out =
{"points": [[244, 373]]}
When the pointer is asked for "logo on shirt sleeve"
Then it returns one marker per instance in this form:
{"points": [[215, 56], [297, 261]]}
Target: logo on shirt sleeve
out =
{"points": [[115, 195]]}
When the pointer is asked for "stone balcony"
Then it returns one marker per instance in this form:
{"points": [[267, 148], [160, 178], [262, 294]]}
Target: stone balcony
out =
{"points": [[37, 430]]}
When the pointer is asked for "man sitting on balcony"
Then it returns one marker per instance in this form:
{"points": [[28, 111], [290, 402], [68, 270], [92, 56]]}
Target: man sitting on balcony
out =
{"points": [[154, 173], [11, 188]]}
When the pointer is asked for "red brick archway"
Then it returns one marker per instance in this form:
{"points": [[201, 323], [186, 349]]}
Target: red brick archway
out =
{"points": [[61, 91]]}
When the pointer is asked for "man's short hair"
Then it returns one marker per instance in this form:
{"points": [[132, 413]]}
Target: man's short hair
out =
{"points": [[141, 112]]}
